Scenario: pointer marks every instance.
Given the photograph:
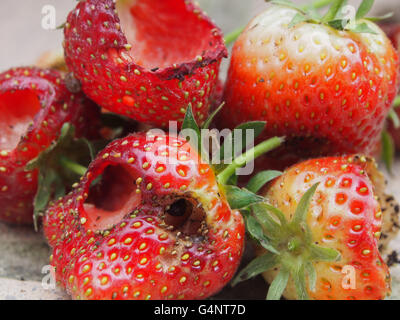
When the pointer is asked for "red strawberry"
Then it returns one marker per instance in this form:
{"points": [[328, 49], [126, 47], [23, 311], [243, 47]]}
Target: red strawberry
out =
{"points": [[344, 215], [328, 91], [34, 105], [156, 225], [148, 60]]}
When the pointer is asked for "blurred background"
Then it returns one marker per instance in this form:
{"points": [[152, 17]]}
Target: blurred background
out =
{"points": [[23, 39]]}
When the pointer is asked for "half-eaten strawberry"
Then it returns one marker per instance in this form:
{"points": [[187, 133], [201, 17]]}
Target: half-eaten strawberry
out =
{"points": [[34, 105], [148, 60]]}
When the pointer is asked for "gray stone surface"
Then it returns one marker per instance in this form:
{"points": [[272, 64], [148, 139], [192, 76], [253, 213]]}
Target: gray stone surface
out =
{"points": [[11, 289], [23, 252]]}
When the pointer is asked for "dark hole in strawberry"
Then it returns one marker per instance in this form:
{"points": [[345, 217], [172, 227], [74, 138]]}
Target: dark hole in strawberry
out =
{"points": [[18, 109], [179, 208], [111, 197], [186, 216], [163, 33]]}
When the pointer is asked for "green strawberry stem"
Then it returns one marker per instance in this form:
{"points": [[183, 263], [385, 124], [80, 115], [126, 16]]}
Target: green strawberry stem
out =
{"points": [[73, 166], [318, 4], [248, 156], [396, 102], [231, 37]]}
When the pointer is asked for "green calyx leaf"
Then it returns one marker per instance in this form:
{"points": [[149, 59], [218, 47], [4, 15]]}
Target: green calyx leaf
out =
{"points": [[318, 253], [364, 8], [302, 209], [336, 16], [298, 18], [278, 285], [262, 211], [255, 229], [210, 119], [339, 24], [189, 127], [289, 4], [258, 265], [362, 28], [261, 179], [240, 198], [299, 278], [48, 184], [333, 11], [53, 175], [290, 247], [311, 10], [394, 118], [396, 102], [388, 150], [380, 18], [312, 275]]}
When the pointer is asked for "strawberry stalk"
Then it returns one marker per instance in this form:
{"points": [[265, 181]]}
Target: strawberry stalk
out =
{"points": [[72, 166], [248, 156], [396, 102]]}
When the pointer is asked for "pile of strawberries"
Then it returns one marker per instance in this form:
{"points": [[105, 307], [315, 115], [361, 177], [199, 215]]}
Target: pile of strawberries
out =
{"points": [[150, 218]]}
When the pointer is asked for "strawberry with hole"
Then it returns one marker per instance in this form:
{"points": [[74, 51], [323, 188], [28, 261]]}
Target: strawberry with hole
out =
{"points": [[330, 221], [151, 220], [34, 105], [148, 60], [148, 221], [328, 90]]}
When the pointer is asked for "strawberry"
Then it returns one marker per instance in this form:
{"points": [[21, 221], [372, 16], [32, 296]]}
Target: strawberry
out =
{"points": [[148, 60], [335, 228], [147, 221], [34, 105], [329, 91]]}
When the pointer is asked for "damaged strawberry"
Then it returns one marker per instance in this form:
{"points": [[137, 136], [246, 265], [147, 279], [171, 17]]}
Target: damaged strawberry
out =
{"points": [[148, 60], [34, 105], [151, 220]]}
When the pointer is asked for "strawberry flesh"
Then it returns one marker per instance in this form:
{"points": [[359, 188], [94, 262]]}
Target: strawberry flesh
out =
{"points": [[112, 198], [18, 110]]}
